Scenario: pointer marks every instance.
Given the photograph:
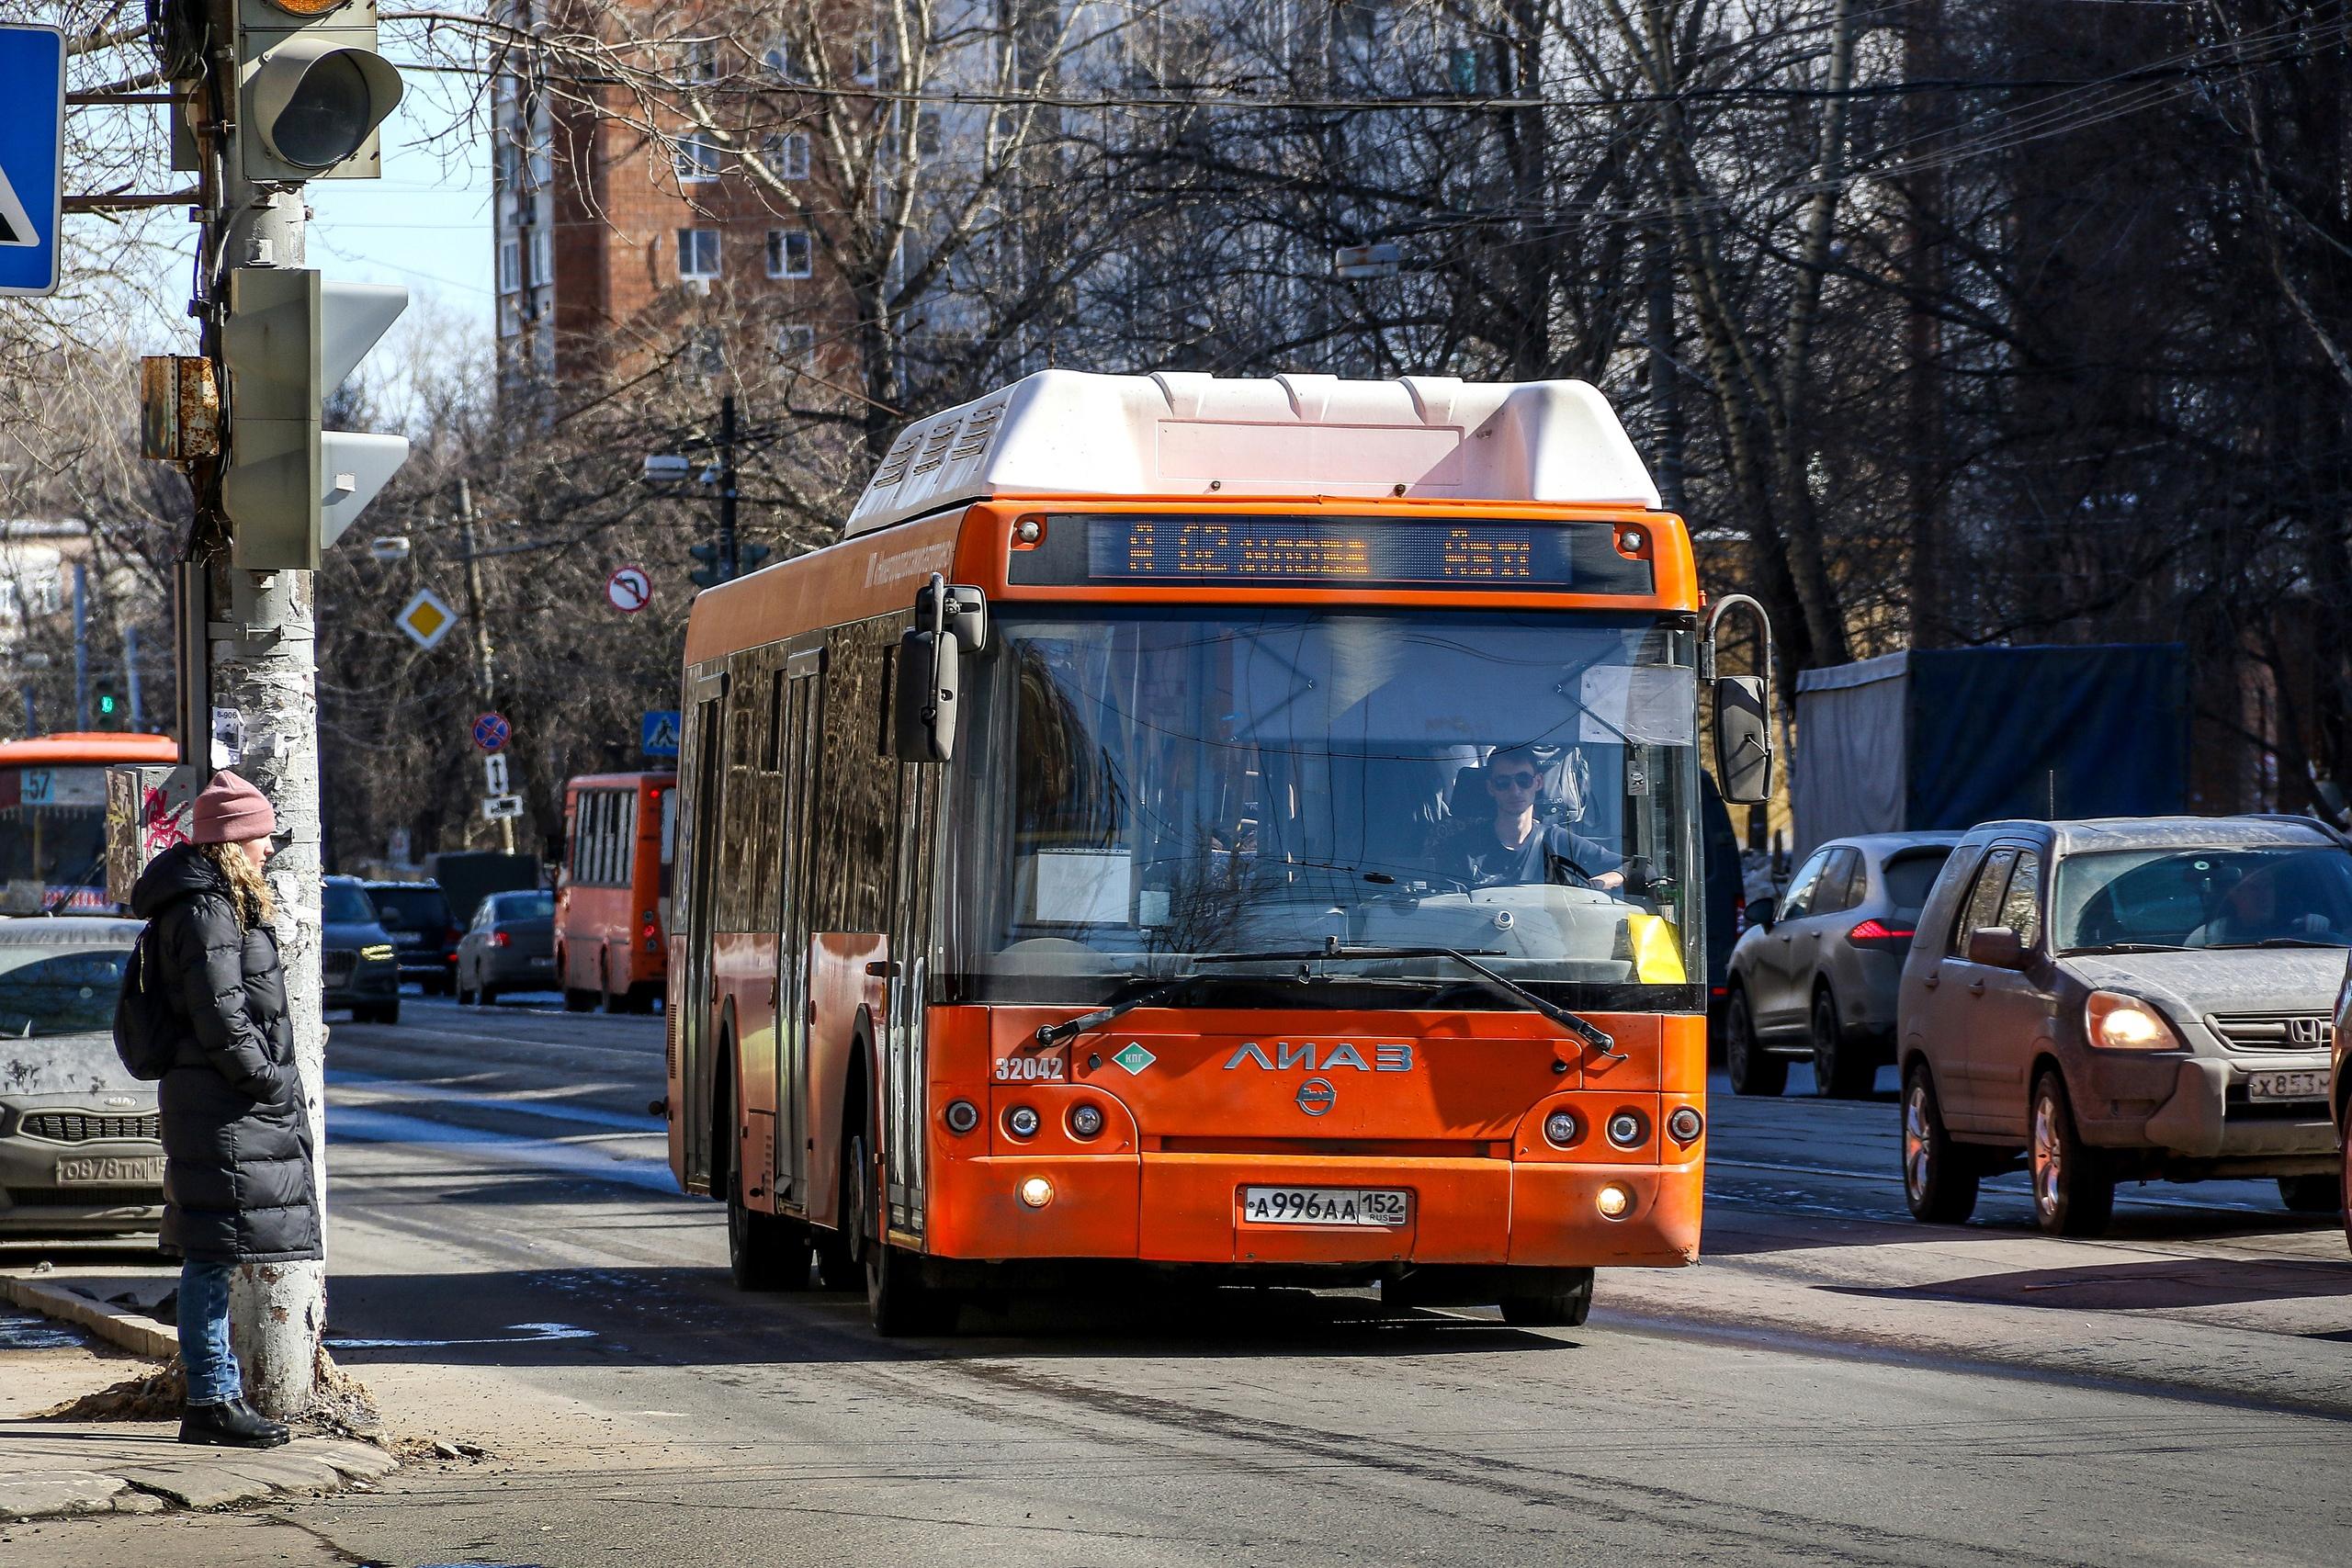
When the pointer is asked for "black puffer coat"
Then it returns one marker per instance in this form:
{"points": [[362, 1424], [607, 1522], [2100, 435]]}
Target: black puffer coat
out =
{"points": [[237, 1146]]}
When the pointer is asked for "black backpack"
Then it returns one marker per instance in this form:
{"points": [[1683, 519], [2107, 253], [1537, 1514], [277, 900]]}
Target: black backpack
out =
{"points": [[145, 1030]]}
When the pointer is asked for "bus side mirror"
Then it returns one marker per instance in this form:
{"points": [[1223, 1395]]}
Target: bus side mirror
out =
{"points": [[950, 621], [929, 680], [1742, 741], [1743, 728]]}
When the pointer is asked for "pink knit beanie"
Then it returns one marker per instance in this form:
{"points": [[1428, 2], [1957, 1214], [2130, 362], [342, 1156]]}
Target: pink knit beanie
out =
{"points": [[229, 811]]}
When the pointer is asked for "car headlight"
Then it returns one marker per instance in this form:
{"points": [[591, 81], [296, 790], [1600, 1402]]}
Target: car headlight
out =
{"points": [[377, 951], [2114, 1021]]}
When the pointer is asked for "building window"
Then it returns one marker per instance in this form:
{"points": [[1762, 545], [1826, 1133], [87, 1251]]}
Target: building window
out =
{"points": [[781, 61], [790, 254], [697, 252], [927, 133], [702, 60], [509, 266], [542, 258], [795, 344], [698, 161], [787, 155], [866, 57]]}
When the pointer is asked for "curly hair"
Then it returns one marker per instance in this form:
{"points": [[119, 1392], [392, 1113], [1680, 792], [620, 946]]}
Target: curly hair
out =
{"points": [[250, 895]]}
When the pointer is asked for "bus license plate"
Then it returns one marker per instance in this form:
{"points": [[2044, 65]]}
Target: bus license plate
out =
{"points": [[2309, 1085], [1383, 1207]]}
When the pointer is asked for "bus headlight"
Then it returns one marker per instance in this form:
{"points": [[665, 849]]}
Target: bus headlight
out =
{"points": [[1561, 1128], [962, 1116], [1626, 1129], [1086, 1120], [1614, 1202], [1021, 1122], [1684, 1125], [1036, 1192]]}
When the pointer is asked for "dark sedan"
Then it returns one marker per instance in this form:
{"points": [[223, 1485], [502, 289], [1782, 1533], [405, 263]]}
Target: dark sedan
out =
{"points": [[424, 934], [510, 947], [362, 973]]}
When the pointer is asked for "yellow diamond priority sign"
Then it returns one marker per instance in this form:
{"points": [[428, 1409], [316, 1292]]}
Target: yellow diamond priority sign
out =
{"points": [[426, 618]]}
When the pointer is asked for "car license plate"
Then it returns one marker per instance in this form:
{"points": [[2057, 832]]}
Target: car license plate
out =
{"points": [[1383, 1207], [2310, 1085], [543, 962], [99, 1170]]}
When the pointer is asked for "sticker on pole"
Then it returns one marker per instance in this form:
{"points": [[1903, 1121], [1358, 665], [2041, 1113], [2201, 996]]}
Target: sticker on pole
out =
{"points": [[629, 590], [490, 733], [32, 142], [426, 618]]}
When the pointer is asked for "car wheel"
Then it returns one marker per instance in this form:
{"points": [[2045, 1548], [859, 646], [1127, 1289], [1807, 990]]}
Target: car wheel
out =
{"points": [[486, 994], [2074, 1191], [1842, 1069], [1753, 1069], [2344, 1195], [1561, 1309], [1938, 1178], [2310, 1194], [389, 1013]]}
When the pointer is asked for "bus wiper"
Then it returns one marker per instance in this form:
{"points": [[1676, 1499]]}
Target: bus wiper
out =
{"points": [[1583, 1030], [1070, 1028]]}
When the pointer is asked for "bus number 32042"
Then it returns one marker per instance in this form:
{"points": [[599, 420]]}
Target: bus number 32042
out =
{"points": [[1030, 1069]]}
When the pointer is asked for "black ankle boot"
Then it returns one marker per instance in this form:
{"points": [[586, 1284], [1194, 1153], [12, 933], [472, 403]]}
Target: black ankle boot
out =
{"points": [[230, 1424]]}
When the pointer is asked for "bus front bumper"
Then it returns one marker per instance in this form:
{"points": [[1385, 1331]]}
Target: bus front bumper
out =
{"points": [[1189, 1208]]}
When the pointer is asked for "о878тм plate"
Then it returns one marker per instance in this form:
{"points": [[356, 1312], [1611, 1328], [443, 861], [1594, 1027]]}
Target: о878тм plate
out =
{"points": [[1384, 1207]]}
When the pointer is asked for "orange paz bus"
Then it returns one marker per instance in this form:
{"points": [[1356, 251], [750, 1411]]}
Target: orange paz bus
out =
{"points": [[53, 816], [612, 892], [1240, 828]]}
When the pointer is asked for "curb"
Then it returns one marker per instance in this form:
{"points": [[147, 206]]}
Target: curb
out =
{"points": [[212, 1478], [134, 1332]]}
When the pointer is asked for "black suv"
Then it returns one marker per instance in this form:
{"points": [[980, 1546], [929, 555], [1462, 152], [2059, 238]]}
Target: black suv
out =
{"points": [[361, 973], [424, 938]]}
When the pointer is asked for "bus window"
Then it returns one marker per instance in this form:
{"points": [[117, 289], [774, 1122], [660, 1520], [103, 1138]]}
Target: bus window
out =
{"points": [[669, 798], [625, 838]]}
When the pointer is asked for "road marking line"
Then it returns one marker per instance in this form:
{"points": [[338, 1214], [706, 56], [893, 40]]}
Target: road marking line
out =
{"points": [[584, 1115]]}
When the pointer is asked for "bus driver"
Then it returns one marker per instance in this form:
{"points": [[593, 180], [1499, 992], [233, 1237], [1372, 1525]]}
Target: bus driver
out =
{"points": [[1514, 847]]}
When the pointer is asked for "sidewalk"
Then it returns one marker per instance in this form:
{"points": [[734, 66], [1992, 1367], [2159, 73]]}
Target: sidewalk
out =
{"points": [[129, 1466]]}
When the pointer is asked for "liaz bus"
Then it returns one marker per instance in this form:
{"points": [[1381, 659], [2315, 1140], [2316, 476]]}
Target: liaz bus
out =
{"points": [[612, 891], [1237, 829], [53, 816]]}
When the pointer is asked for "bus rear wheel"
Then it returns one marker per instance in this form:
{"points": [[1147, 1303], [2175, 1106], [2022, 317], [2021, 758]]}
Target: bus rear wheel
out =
{"points": [[1552, 1308]]}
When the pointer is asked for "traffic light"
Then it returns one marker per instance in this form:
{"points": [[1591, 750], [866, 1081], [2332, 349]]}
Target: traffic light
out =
{"points": [[110, 715], [749, 556], [289, 487], [313, 89], [712, 572]]}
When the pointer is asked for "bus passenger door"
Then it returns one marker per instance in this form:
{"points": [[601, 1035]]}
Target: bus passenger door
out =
{"points": [[704, 743], [905, 1088], [803, 695]]}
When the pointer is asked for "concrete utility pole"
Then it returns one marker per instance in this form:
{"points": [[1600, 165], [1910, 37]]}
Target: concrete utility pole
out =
{"points": [[485, 670]]}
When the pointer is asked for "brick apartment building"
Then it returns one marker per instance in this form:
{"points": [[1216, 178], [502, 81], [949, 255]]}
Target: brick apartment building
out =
{"points": [[616, 244]]}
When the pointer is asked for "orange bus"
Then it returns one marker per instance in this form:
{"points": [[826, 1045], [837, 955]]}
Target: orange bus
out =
{"points": [[612, 891], [53, 816], [1240, 829]]}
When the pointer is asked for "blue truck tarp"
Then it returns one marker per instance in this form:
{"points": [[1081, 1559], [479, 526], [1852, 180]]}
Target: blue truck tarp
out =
{"points": [[1948, 738]]}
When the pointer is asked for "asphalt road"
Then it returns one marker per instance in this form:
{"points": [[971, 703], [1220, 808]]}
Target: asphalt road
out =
{"points": [[1837, 1383]]}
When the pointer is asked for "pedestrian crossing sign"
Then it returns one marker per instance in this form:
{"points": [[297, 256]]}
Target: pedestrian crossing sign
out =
{"points": [[32, 139]]}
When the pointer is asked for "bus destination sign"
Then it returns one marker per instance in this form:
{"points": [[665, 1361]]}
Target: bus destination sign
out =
{"points": [[1281, 552]]}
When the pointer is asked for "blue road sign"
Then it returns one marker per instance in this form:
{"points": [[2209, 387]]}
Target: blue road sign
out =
{"points": [[661, 733], [32, 141], [491, 730]]}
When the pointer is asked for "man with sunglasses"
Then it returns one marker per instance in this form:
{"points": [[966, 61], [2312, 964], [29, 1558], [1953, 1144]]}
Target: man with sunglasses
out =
{"points": [[1511, 846]]}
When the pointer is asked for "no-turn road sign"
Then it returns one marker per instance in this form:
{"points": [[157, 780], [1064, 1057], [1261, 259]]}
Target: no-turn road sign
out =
{"points": [[629, 590]]}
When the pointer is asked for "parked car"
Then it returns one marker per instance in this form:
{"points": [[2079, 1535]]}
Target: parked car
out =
{"points": [[424, 936], [80, 1150], [2125, 999], [2339, 1097], [1815, 977], [510, 947], [362, 973]]}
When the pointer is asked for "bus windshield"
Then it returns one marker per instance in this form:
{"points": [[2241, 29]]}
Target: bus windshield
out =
{"points": [[1138, 789]]}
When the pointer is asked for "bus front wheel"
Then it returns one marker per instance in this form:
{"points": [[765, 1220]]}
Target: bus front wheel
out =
{"points": [[897, 1300], [1552, 1308]]}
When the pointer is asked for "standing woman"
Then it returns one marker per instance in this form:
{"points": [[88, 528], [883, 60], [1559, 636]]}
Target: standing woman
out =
{"points": [[237, 1143]]}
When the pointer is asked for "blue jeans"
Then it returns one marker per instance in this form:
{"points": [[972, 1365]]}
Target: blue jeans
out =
{"points": [[212, 1371]]}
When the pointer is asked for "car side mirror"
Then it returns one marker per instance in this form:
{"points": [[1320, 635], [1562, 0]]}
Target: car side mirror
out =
{"points": [[1761, 913], [1996, 947]]}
